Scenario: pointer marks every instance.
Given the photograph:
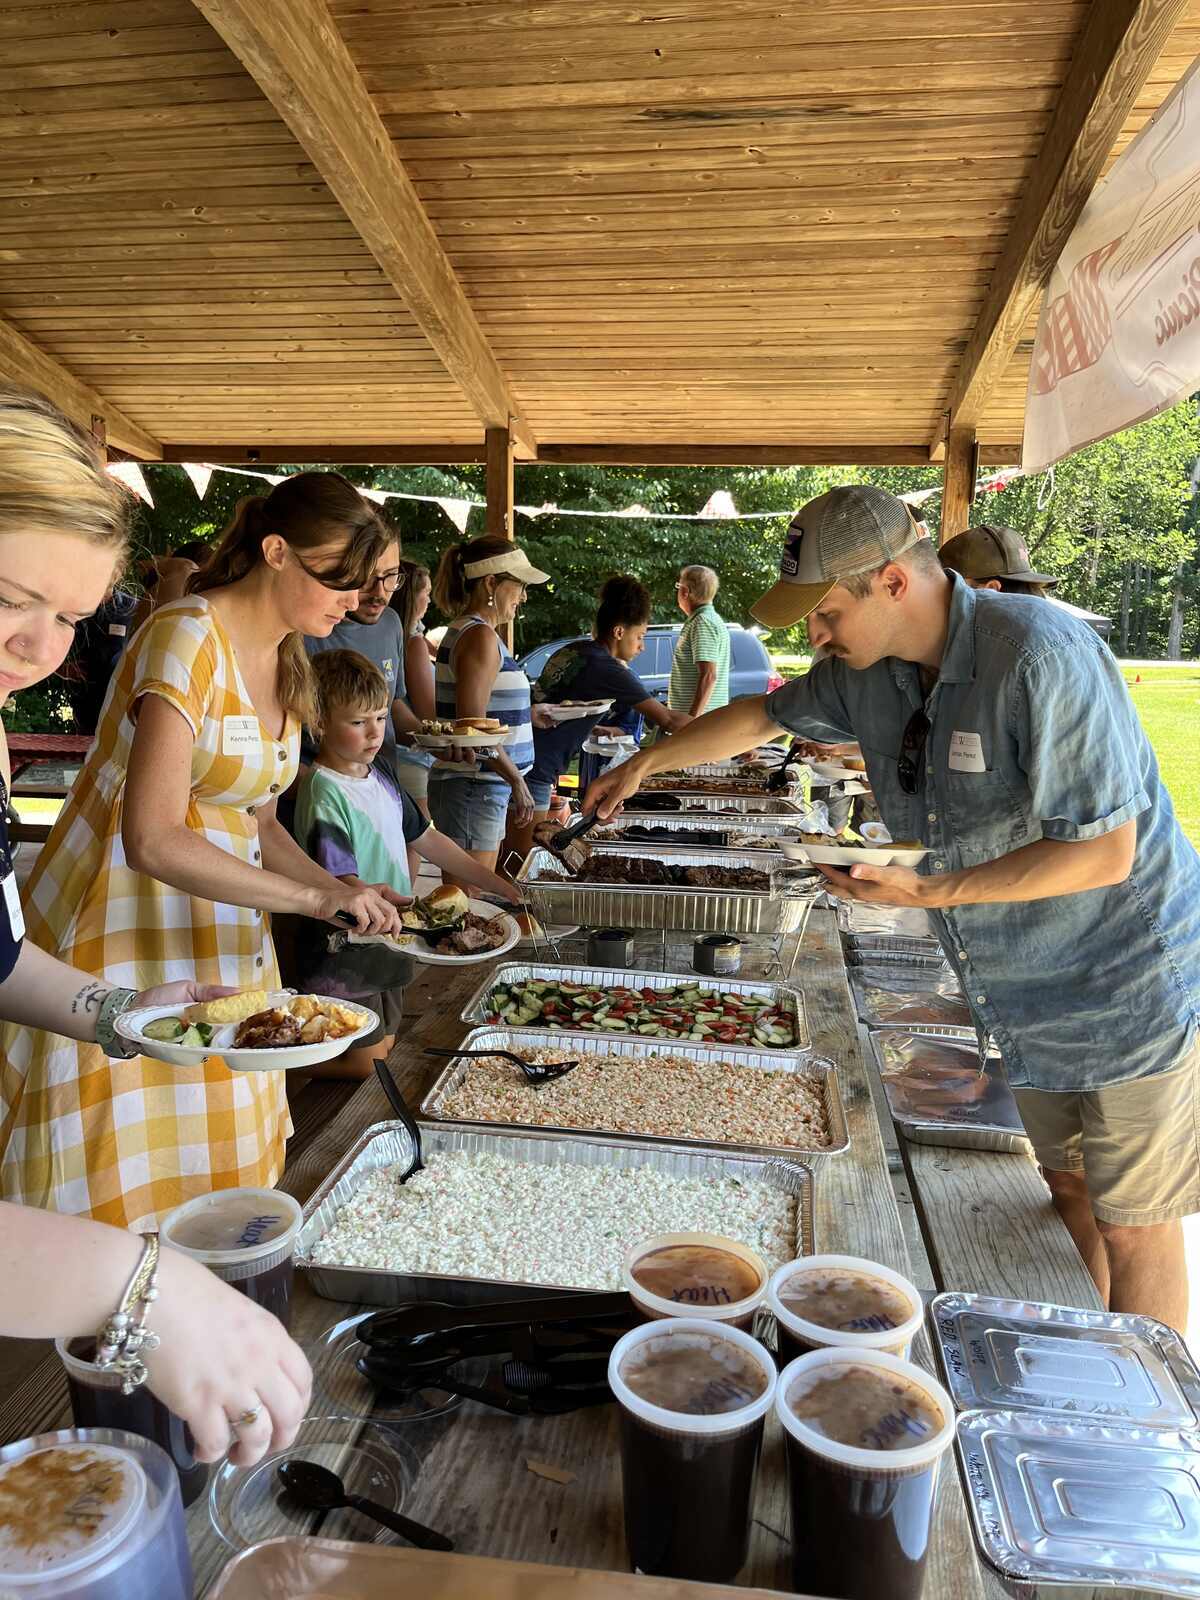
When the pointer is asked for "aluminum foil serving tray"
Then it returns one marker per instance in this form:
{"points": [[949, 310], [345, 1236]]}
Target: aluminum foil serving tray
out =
{"points": [[600, 905], [772, 830], [389, 1144], [1057, 1501], [575, 1045], [785, 997], [1099, 1365], [763, 805], [992, 1123]]}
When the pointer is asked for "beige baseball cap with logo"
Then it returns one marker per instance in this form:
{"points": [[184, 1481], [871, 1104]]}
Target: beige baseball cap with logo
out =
{"points": [[838, 535], [991, 551]]}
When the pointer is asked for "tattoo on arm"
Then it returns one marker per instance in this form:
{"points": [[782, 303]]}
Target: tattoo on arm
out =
{"points": [[89, 997]]}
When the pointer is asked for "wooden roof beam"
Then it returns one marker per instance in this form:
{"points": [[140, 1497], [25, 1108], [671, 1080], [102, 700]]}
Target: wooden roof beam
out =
{"points": [[629, 455], [1117, 47], [294, 52], [22, 362]]}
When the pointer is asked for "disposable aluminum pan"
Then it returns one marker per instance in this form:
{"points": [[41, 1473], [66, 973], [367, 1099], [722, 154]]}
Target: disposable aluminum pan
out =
{"points": [[784, 996], [771, 830], [1103, 1505], [763, 805], [604, 905], [915, 954], [992, 1123], [575, 1045], [389, 1144]]}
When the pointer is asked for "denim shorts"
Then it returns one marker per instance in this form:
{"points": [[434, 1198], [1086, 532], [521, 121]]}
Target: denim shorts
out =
{"points": [[470, 811], [541, 789]]}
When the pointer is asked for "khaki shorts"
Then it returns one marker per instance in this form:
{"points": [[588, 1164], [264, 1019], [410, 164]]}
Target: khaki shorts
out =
{"points": [[1137, 1144]]}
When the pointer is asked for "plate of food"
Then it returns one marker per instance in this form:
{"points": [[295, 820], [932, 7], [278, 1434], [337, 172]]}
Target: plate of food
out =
{"points": [[467, 733], [254, 1031], [574, 710], [827, 852], [447, 929]]}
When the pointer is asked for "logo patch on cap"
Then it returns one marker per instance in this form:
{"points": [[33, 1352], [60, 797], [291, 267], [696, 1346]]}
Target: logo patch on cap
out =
{"points": [[789, 561]]}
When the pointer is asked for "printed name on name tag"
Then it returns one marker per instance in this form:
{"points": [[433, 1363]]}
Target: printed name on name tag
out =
{"points": [[12, 904], [240, 736], [966, 753], [118, 629]]}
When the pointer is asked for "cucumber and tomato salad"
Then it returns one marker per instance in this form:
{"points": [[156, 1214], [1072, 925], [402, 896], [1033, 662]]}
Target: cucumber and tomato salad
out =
{"points": [[681, 1011]]}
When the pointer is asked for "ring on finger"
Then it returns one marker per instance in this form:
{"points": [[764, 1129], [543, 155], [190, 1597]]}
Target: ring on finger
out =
{"points": [[247, 1418]]}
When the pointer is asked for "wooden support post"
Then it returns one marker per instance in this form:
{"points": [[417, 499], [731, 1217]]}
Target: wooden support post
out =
{"points": [[499, 445], [958, 481]]}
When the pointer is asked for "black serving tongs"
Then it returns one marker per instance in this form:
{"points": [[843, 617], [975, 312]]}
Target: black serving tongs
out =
{"points": [[778, 780], [520, 1389], [415, 1324], [559, 844], [537, 1073]]}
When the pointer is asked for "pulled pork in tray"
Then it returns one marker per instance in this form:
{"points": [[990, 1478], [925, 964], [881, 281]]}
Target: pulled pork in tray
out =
{"points": [[648, 873]]}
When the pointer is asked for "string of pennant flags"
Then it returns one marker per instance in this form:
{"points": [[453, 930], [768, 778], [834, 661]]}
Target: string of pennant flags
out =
{"points": [[718, 507]]}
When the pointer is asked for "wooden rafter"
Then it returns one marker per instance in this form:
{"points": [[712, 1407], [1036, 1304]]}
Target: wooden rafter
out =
{"points": [[23, 363], [629, 455], [295, 53], [1115, 53]]}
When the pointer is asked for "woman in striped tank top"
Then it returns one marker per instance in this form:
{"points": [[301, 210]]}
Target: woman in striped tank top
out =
{"points": [[480, 585]]}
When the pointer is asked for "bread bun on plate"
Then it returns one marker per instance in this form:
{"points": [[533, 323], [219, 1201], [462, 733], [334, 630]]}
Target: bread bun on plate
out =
{"points": [[529, 925], [478, 725]]}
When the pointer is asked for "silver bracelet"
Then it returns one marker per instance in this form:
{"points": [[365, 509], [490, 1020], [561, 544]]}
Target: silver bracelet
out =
{"points": [[111, 1007], [123, 1338]]}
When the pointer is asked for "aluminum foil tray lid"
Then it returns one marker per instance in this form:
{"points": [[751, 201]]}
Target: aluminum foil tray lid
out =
{"points": [[1059, 1501], [1055, 1359], [902, 996], [937, 1081]]}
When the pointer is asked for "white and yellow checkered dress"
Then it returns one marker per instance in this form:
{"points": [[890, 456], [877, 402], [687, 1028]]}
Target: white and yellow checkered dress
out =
{"points": [[124, 1141]]}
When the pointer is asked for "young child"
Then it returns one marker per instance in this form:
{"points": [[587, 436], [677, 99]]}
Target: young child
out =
{"points": [[353, 821]]}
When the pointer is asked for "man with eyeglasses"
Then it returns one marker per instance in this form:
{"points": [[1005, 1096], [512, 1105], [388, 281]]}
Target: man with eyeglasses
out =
{"points": [[998, 731], [375, 631]]}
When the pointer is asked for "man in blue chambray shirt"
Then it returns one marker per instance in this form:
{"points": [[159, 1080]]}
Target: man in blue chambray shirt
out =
{"points": [[998, 731]]}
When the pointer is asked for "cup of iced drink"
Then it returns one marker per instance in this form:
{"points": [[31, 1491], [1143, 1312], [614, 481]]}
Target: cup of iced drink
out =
{"points": [[245, 1236], [97, 1401], [692, 1396], [865, 1434], [846, 1301], [696, 1275]]}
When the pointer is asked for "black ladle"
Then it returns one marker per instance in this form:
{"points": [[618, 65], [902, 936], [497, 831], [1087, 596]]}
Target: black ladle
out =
{"points": [[319, 1489], [536, 1073]]}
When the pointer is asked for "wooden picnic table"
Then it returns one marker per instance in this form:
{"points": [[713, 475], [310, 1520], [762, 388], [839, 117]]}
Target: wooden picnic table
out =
{"points": [[987, 1226]]}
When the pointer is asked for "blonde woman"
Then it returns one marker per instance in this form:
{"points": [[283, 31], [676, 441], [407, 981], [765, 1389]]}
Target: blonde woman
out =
{"points": [[220, 1356], [167, 858]]}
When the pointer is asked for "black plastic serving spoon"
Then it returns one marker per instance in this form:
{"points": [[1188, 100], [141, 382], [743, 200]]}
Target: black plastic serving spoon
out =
{"points": [[319, 1489], [536, 1073]]}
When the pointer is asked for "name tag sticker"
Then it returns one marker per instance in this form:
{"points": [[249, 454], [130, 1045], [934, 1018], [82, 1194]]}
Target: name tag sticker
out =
{"points": [[117, 629], [240, 736], [966, 753], [12, 904]]}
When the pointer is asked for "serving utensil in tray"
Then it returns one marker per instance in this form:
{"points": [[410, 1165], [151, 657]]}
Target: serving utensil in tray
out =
{"points": [[389, 1144], [598, 905], [481, 1041]]}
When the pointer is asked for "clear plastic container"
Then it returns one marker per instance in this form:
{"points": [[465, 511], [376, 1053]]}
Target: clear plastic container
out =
{"points": [[245, 1236], [798, 1334], [91, 1514], [698, 1294]]}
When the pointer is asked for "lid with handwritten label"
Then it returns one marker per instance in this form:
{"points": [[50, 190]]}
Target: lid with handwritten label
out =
{"points": [[1057, 1500], [64, 1507], [1034, 1356], [231, 1226]]}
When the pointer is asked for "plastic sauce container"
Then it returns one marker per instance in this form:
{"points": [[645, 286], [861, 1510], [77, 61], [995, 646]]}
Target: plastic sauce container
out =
{"points": [[91, 1514], [867, 1306], [696, 1275], [245, 1236]]}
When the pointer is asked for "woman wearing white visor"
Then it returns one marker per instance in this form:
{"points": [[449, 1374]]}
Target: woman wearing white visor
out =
{"points": [[481, 584]]}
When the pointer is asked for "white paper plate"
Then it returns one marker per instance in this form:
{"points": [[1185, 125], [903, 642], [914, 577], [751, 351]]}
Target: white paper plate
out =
{"points": [[590, 708], [464, 741], [420, 951], [129, 1026], [553, 931], [843, 855]]}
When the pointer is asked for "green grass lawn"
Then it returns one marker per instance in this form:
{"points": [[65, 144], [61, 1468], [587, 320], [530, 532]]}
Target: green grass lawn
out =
{"points": [[1168, 701]]}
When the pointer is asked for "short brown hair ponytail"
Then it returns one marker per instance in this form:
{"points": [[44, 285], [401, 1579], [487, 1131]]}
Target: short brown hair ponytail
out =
{"points": [[308, 510], [451, 587]]}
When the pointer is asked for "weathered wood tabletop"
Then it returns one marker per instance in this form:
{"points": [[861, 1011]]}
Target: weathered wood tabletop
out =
{"points": [[987, 1226]]}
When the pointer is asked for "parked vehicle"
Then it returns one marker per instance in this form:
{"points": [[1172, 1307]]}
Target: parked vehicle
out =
{"points": [[750, 670]]}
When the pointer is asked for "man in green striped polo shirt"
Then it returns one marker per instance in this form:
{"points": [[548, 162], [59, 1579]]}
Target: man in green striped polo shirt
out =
{"points": [[700, 670]]}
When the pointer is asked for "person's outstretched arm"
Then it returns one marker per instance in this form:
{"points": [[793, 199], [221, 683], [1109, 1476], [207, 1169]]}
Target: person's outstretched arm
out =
{"points": [[219, 1353]]}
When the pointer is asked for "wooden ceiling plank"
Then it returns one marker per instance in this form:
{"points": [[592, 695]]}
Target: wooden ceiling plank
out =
{"points": [[1121, 41], [297, 58], [27, 365]]}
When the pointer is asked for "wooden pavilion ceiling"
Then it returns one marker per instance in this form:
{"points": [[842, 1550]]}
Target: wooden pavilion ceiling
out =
{"points": [[701, 222]]}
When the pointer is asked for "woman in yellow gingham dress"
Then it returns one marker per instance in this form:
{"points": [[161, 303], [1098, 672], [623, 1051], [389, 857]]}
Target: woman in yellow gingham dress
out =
{"points": [[182, 778]]}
